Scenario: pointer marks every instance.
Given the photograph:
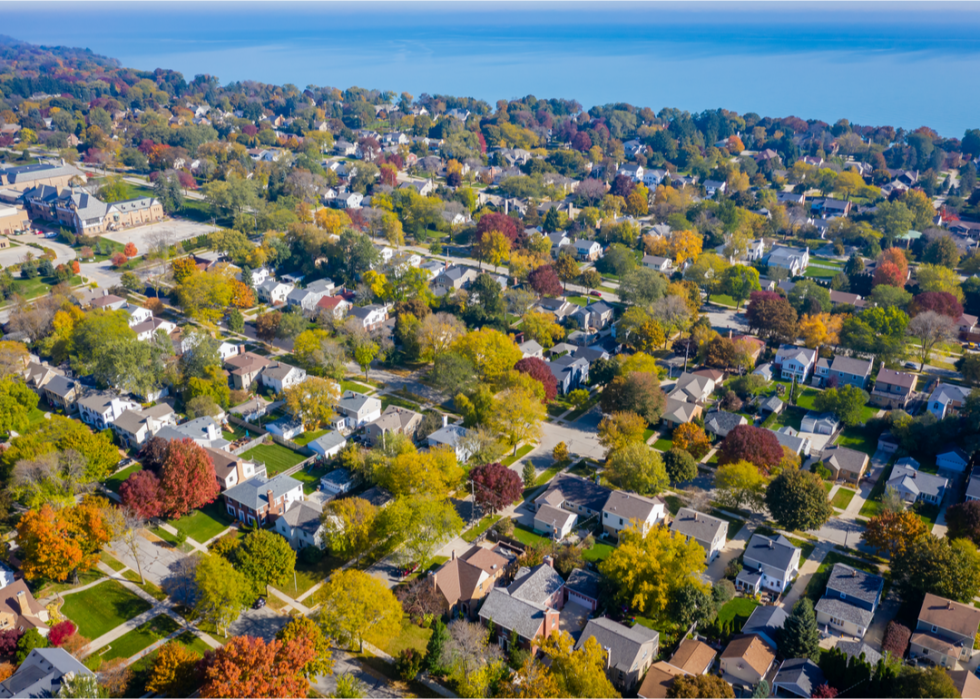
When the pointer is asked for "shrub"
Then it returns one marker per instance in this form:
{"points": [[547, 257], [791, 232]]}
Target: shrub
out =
{"points": [[409, 664], [896, 639], [60, 632]]}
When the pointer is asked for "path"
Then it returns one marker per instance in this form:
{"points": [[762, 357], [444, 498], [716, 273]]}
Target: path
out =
{"points": [[807, 570]]}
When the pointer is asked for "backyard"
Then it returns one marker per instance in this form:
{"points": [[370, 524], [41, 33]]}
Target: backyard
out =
{"points": [[276, 457], [815, 588], [103, 607]]}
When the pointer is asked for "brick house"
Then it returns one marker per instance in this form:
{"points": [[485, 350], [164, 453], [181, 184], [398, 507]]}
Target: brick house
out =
{"points": [[261, 500]]}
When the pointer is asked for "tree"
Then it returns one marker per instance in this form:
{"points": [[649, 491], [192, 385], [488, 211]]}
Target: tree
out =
{"points": [[942, 251], [692, 605], [492, 247], [740, 485], [495, 486], [931, 328], [820, 329], [809, 297], [936, 278], [247, 666], [888, 274], [963, 520], [621, 428], [800, 636], [313, 401], [61, 544], [542, 328], [187, 478], [14, 356], [638, 467], [685, 245], [267, 325], [517, 416], [772, 315], [31, 639], [739, 281], [358, 607], [265, 558], [17, 401], [221, 591], [797, 500], [969, 366], [930, 682], [566, 267], [490, 351], [538, 370], [846, 402], [680, 465], [590, 279], [304, 628], [544, 280], [691, 438], [174, 672], [748, 443], [896, 640], [424, 522], [642, 286], [60, 632], [699, 686], [944, 567], [824, 691], [894, 219], [639, 392], [349, 686], [640, 330], [206, 295], [892, 532], [647, 570], [576, 673], [941, 302]]}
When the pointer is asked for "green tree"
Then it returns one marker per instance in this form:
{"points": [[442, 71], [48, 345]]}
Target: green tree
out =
{"points": [[740, 484], [739, 281], [942, 567], [31, 639], [800, 636], [638, 467], [894, 219], [16, 403], [846, 402], [642, 287], [692, 604], [422, 522], [797, 500], [942, 251], [222, 591], [357, 607], [265, 558], [680, 465]]}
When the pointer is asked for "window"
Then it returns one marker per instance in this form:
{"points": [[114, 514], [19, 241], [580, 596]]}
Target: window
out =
{"points": [[620, 521], [836, 622], [843, 596]]}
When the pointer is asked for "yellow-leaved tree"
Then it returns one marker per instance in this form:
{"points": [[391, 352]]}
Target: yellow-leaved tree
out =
{"points": [[313, 400], [820, 329], [358, 607], [517, 416], [492, 353]]}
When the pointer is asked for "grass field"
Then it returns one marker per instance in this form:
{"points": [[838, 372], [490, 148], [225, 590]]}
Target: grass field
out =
{"points": [[347, 385], [576, 414], [872, 506], [308, 437], [598, 552], [143, 636], [820, 272], [674, 504], [738, 607], [549, 473], [528, 537], [663, 444], [400, 402], [412, 636], [842, 498], [116, 479], [101, 608], [309, 574], [310, 478], [857, 438], [276, 457], [203, 524]]}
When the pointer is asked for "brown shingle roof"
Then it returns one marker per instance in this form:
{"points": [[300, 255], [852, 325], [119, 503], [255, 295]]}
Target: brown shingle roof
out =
{"points": [[693, 657], [658, 680], [751, 649], [952, 616]]}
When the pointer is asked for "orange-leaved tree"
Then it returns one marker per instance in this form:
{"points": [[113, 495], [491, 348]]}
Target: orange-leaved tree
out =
{"points": [[241, 295], [692, 439], [247, 666], [187, 477], [130, 249]]}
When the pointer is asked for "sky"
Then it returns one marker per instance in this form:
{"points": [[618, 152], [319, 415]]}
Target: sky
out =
{"points": [[903, 64]]}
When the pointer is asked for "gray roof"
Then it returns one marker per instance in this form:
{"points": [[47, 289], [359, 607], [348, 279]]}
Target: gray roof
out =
{"points": [[329, 441], [630, 506], [855, 583], [851, 365], [578, 491], [854, 649], [845, 459], [789, 439], [379, 497], [840, 609], [697, 525], [584, 582], [772, 403], [339, 477], [253, 492], [948, 393], [194, 429], [721, 423], [623, 643], [304, 515], [973, 487], [59, 385], [363, 312], [537, 585], [800, 676], [512, 614], [776, 553], [355, 402], [279, 370], [98, 400], [41, 673], [766, 621], [450, 434], [907, 477]]}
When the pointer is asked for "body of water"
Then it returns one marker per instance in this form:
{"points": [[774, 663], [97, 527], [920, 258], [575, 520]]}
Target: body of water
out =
{"points": [[902, 64]]}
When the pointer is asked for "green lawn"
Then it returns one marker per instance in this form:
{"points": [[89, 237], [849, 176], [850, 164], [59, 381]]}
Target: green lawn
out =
{"points": [[470, 534], [857, 438], [663, 444], [309, 574], [828, 486], [521, 453], [232, 432], [400, 402], [674, 504], [347, 385], [549, 473], [815, 588], [308, 437], [411, 636], [143, 636], [842, 498], [310, 477], [38, 286], [557, 409], [599, 552], [276, 457], [528, 537], [807, 396], [101, 608], [820, 272], [203, 524], [872, 506], [578, 300], [738, 607], [116, 479], [111, 561]]}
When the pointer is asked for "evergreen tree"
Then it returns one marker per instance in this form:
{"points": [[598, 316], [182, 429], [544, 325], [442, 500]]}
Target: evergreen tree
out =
{"points": [[800, 637], [433, 652], [247, 277]]}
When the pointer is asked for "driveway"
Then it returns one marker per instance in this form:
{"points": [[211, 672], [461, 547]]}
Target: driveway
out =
{"points": [[158, 559], [841, 531], [263, 622], [163, 232], [572, 619], [374, 684], [732, 550]]}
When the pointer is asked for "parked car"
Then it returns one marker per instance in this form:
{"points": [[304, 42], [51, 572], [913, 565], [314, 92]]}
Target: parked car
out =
{"points": [[259, 603], [595, 293]]}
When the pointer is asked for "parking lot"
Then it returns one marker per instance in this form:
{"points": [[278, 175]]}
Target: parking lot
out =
{"points": [[168, 232]]}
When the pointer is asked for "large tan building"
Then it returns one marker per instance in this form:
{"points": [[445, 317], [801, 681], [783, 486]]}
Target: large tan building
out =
{"points": [[27, 176], [87, 214], [13, 219]]}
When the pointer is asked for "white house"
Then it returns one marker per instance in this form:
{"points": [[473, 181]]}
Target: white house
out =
{"points": [[147, 330], [356, 409], [137, 314], [954, 460], [661, 264], [622, 510], [819, 423], [712, 187], [708, 531], [947, 399], [556, 522], [279, 376], [300, 525], [793, 260], [693, 388], [451, 436], [274, 292], [101, 408], [328, 445], [796, 361], [135, 427], [768, 564], [338, 482], [587, 250], [370, 317]]}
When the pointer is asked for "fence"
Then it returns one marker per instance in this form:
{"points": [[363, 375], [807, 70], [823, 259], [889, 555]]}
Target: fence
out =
{"points": [[292, 445]]}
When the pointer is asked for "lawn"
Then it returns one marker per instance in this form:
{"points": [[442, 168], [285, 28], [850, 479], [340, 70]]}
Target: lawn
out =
{"points": [[674, 504], [148, 586], [820, 272], [232, 432], [354, 386], [578, 300], [310, 477], [143, 636], [473, 532], [116, 479], [598, 552], [203, 524], [101, 608], [400, 402], [857, 438], [308, 437], [411, 636], [521, 453], [556, 409], [738, 607], [309, 574], [807, 396], [576, 414], [842, 498], [734, 523], [815, 588], [276, 458], [38, 286], [528, 537], [872, 506], [663, 444], [111, 561], [85, 578], [549, 473]]}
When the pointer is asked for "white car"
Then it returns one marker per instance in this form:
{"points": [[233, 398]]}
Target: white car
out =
{"points": [[52, 234]]}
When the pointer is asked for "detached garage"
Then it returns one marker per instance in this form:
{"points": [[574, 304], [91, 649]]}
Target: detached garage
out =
{"points": [[554, 521]]}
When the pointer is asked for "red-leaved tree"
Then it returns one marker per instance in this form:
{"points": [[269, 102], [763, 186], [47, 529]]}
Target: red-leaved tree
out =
{"points": [[538, 370], [896, 639], [143, 493], [824, 691], [544, 280], [497, 222], [754, 444], [247, 666], [890, 274], [61, 632], [495, 486], [8, 641], [187, 478], [942, 302], [130, 249]]}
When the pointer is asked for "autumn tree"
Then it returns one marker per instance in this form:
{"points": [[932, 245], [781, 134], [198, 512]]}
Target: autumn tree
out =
{"points": [[938, 278], [748, 443], [771, 315], [495, 486], [490, 351], [577, 673], [544, 280], [304, 628], [621, 428], [739, 281], [174, 672], [941, 302], [221, 591], [931, 328], [891, 532], [693, 686], [349, 526], [944, 567], [61, 544], [187, 478], [492, 247], [638, 467], [358, 607], [740, 484], [538, 370], [241, 295], [247, 666], [638, 392], [566, 267], [542, 328], [422, 523], [142, 493], [313, 401], [798, 501], [685, 245], [517, 416], [692, 438], [820, 329]]}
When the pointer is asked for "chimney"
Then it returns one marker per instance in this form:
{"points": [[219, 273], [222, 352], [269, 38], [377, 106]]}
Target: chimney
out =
{"points": [[695, 516], [240, 470], [949, 604], [772, 544], [272, 504], [445, 420], [453, 555], [608, 657], [22, 603], [549, 561]]}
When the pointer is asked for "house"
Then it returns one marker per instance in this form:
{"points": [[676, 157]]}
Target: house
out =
{"points": [[558, 307], [679, 412], [259, 276], [791, 439], [588, 250], [301, 524], [555, 522], [634, 172], [530, 348], [204, 431], [819, 423], [967, 683], [394, 420], [582, 588], [595, 316], [947, 399], [135, 427], [61, 392], [692, 388], [658, 681], [308, 298], [973, 487], [821, 372], [845, 464], [747, 659], [463, 581], [137, 314], [334, 306], [768, 564], [857, 649], [285, 427], [850, 600], [528, 607], [716, 375], [579, 495], [661, 264], [793, 260], [230, 470], [274, 292], [629, 650], [37, 375], [101, 408], [279, 376], [558, 241], [19, 610], [770, 405], [43, 674], [379, 497], [953, 460], [966, 323], [755, 346], [764, 370], [357, 409], [851, 371], [945, 631], [623, 510], [712, 187], [328, 445], [245, 368], [147, 330], [915, 485], [893, 389], [338, 482], [795, 362], [423, 187], [719, 423], [370, 317], [259, 500], [843, 298], [693, 657], [831, 207], [710, 532], [797, 677], [452, 279], [765, 622], [452, 436]]}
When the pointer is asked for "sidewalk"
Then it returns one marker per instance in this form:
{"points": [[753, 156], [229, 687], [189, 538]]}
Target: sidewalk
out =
{"points": [[807, 570]]}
